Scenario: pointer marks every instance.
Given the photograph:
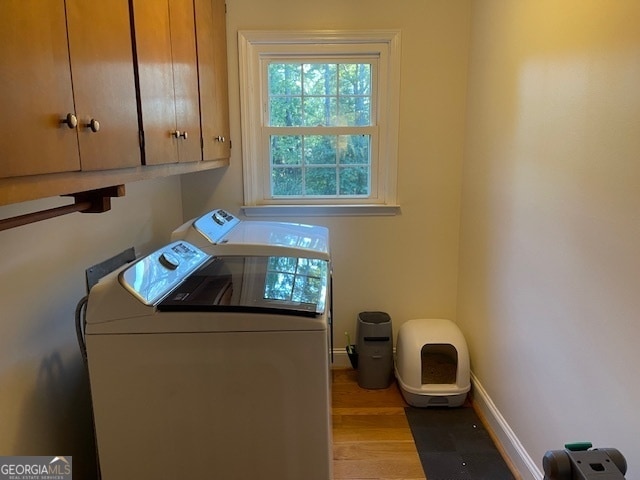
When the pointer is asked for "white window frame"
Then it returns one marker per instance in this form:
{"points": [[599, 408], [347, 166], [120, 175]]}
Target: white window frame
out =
{"points": [[254, 47]]}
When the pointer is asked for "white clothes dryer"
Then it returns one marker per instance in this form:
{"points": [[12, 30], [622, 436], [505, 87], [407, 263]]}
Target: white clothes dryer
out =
{"points": [[218, 231], [208, 366]]}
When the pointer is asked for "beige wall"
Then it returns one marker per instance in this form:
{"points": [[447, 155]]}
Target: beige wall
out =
{"points": [[550, 231], [44, 396], [548, 256], [405, 265]]}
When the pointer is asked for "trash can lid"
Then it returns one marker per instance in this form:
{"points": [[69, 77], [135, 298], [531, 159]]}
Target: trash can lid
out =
{"points": [[374, 317]]}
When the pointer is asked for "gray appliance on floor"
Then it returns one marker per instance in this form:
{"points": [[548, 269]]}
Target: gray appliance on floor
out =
{"points": [[375, 350]]}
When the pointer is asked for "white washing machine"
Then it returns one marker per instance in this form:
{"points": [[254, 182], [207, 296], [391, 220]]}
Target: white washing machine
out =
{"points": [[218, 231], [208, 366]]}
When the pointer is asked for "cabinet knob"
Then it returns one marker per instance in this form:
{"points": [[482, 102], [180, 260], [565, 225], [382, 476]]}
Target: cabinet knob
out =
{"points": [[219, 139], [176, 134], [70, 120], [184, 135], [93, 125]]}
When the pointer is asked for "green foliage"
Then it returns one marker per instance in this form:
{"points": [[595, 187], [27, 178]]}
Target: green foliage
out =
{"points": [[320, 165], [286, 149], [313, 94], [297, 279], [286, 182], [320, 95]]}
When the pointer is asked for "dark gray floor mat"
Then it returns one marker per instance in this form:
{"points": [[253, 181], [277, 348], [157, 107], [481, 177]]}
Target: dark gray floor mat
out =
{"points": [[454, 445]]}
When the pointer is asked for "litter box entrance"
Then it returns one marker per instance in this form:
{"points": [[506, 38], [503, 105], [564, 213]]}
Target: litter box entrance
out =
{"points": [[439, 363]]}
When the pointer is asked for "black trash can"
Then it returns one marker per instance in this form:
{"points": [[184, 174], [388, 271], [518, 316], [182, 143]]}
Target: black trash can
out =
{"points": [[375, 350]]}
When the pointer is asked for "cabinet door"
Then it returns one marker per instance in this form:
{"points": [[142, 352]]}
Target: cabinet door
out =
{"points": [[185, 75], [103, 83], [155, 74], [167, 72], [35, 89], [212, 69]]}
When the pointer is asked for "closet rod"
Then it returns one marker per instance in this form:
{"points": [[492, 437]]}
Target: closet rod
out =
{"points": [[93, 201], [21, 220]]}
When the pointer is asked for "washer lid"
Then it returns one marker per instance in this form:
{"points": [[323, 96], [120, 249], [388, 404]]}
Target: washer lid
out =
{"points": [[154, 276], [255, 284]]}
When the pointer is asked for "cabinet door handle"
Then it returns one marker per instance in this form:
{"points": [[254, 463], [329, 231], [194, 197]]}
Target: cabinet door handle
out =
{"points": [[70, 120], [176, 134], [93, 125], [219, 139], [184, 135]]}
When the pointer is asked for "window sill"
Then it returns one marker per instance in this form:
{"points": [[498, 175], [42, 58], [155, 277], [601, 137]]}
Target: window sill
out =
{"points": [[319, 210]]}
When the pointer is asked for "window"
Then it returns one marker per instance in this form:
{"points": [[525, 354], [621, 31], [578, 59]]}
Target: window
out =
{"points": [[299, 280], [304, 100], [319, 119]]}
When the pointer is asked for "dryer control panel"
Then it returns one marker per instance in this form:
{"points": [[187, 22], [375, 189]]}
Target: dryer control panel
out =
{"points": [[152, 277], [215, 225]]}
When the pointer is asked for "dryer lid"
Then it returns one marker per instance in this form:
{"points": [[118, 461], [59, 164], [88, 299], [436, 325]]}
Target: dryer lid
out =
{"points": [[312, 240], [215, 225], [253, 284], [218, 227]]}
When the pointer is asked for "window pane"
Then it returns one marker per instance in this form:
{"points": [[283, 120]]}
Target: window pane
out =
{"points": [[283, 264], [311, 267], [354, 181], [286, 181], [285, 112], [295, 279], [355, 94], [320, 149], [285, 79], [286, 150], [354, 149], [321, 181], [320, 111], [320, 78], [355, 78], [354, 111], [278, 286], [306, 290]]}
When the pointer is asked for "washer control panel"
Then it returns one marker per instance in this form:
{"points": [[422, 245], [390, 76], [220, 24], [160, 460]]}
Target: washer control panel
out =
{"points": [[215, 225], [153, 277]]}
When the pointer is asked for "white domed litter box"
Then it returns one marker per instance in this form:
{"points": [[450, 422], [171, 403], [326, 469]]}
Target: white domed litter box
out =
{"points": [[432, 363]]}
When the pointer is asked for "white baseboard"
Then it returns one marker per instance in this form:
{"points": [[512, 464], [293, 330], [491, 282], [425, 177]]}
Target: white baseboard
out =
{"points": [[340, 358], [503, 433]]}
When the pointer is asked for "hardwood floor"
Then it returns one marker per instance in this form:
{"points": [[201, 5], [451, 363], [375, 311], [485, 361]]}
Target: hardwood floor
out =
{"points": [[371, 436]]}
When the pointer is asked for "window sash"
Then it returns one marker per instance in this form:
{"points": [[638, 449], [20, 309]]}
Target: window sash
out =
{"points": [[372, 96], [373, 165], [268, 131]]}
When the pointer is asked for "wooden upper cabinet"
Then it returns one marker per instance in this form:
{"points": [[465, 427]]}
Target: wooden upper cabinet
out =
{"points": [[168, 80], [212, 69], [104, 85], [95, 94], [37, 93], [35, 89], [185, 74]]}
